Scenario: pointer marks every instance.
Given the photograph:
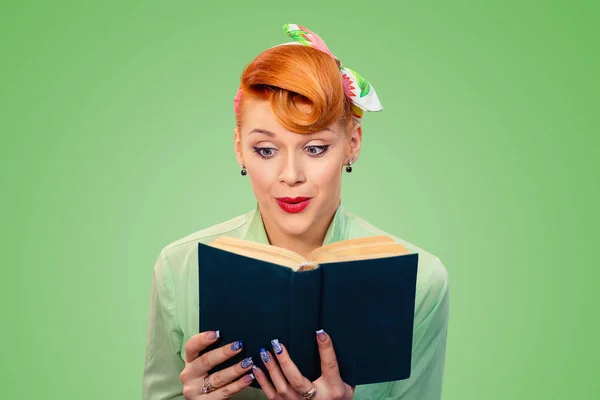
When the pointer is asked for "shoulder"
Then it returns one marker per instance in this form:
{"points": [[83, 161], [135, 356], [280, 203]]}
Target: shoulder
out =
{"points": [[232, 226], [181, 251], [432, 277]]}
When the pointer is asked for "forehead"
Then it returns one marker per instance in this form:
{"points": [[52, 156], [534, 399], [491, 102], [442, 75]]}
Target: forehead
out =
{"points": [[258, 112]]}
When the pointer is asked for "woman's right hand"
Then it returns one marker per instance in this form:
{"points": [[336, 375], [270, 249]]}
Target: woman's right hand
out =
{"points": [[221, 384]]}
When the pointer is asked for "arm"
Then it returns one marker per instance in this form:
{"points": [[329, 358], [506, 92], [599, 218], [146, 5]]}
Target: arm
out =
{"points": [[429, 340], [163, 363]]}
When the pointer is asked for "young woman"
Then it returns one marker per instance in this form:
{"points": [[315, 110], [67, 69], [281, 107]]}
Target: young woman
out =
{"points": [[298, 113]]}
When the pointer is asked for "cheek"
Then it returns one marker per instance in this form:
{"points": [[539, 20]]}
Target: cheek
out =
{"points": [[326, 177], [260, 177], [262, 180]]}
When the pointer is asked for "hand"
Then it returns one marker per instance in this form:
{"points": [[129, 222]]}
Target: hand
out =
{"points": [[288, 382], [221, 384]]}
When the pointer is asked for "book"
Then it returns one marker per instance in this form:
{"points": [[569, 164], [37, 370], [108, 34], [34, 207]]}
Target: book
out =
{"points": [[360, 291]]}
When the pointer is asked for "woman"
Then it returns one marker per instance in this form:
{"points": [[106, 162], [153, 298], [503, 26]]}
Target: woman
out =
{"points": [[298, 113]]}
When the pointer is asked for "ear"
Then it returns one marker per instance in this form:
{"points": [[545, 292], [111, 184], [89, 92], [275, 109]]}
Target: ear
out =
{"points": [[354, 142], [237, 145]]}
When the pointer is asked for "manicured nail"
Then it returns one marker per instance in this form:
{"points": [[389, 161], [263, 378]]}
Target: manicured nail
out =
{"points": [[276, 346], [264, 355], [212, 335], [321, 336], [254, 368], [247, 362], [249, 378], [237, 345]]}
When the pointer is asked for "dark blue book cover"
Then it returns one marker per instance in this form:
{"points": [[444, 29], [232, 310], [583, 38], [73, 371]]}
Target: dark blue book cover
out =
{"points": [[366, 306]]}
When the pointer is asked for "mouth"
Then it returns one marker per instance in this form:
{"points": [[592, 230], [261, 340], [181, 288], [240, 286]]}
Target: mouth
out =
{"points": [[293, 205]]}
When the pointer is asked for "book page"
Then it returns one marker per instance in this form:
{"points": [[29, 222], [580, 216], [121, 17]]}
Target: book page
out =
{"points": [[358, 249], [260, 251], [352, 254], [358, 242], [344, 250]]}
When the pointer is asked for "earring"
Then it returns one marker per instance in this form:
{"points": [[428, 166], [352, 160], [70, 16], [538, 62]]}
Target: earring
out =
{"points": [[348, 167], [244, 172]]}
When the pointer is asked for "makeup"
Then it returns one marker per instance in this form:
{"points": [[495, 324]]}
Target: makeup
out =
{"points": [[293, 205]]}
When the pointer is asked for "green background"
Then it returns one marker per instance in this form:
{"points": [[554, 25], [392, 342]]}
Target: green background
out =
{"points": [[117, 126]]}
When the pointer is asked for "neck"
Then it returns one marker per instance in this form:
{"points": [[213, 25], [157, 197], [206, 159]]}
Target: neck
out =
{"points": [[294, 243], [302, 244]]}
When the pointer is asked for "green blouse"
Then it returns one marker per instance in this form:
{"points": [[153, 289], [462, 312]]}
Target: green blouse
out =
{"points": [[174, 312]]}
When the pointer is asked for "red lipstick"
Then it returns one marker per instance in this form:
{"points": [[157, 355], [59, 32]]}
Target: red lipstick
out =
{"points": [[293, 205]]}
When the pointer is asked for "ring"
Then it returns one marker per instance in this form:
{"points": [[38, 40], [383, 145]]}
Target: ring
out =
{"points": [[206, 386], [310, 393]]}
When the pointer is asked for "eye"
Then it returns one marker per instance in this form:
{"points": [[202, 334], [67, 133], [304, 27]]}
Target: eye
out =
{"points": [[316, 150], [265, 152]]}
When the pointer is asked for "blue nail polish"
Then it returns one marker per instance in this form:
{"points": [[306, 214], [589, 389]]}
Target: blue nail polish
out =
{"points": [[264, 355], [237, 345], [276, 346], [247, 362]]}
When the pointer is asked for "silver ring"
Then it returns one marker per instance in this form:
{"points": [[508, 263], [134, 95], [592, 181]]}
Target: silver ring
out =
{"points": [[206, 386], [310, 393]]}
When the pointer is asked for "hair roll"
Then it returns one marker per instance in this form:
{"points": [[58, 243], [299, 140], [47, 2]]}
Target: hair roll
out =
{"points": [[303, 85]]}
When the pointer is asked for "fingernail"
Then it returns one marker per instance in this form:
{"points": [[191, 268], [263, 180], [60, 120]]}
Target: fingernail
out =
{"points": [[237, 345], [247, 362], [254, 368], [321, 336], [264, 355], [212, 335], [276, 346], [249, 378]]}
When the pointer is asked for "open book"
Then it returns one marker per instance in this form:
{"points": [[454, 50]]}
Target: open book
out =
{"points": [[360, 291]]}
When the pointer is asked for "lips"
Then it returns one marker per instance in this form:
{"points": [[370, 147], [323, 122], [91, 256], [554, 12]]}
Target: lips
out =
{"points": [[293, 205], [293, 200]]}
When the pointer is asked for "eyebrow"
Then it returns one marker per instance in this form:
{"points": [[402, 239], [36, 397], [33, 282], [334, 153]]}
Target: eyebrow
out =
{"points": [[263, 131], [271, 134]]}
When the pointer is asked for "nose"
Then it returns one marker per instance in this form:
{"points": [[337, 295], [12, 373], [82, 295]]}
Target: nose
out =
{"points": [[292, 171]]}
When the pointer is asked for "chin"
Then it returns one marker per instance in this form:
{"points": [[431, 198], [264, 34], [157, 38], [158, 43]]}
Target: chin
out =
{"points": [[295, 228], [293, 224]]}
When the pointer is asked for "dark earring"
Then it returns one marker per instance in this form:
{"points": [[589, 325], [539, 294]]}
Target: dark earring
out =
{"points": [[244, 172], [348, 167]]}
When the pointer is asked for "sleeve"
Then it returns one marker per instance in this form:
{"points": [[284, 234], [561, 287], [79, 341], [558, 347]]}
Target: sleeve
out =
{"points": [[429, 340], [163, 363]]}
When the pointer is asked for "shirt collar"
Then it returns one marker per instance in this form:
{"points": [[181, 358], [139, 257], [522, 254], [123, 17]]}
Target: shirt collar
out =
{"points": [[337, 230]]}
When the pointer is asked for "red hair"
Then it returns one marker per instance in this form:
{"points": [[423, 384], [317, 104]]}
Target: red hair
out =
{"points": [[290, 74]]}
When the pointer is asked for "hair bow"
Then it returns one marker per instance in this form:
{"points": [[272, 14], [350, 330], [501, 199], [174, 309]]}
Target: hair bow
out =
{"points": [[359, 91]]}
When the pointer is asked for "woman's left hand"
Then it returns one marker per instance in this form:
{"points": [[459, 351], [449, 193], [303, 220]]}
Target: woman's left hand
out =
{"points": [[288, 382]]}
